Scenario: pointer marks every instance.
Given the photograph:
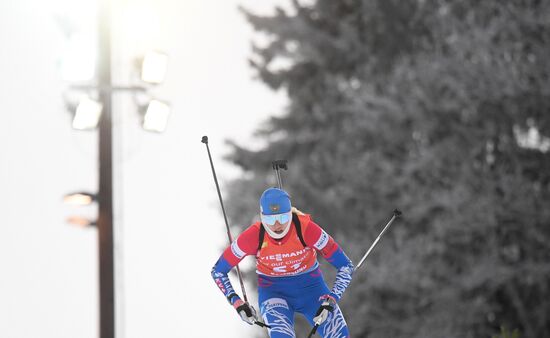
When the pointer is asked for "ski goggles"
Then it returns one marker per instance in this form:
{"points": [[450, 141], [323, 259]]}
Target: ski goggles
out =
{"points": [[271, 219]]}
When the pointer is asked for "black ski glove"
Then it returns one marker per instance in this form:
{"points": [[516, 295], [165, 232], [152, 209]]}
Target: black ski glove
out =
{"points": [[327, 306], [247, 312]]}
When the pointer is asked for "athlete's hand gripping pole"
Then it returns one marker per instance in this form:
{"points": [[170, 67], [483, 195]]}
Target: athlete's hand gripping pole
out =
{"points": [[205, 141], [327, 306], [248, 314], [396, 214]]}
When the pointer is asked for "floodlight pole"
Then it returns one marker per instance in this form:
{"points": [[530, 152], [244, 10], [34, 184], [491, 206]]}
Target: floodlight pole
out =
{"points": [[105, 195]]}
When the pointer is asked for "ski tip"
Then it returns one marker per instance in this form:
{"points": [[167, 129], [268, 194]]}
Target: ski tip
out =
{"points": [[204, 139]]}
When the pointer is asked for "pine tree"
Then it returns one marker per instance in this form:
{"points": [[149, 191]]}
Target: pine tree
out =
{"points": [[439, 108]]}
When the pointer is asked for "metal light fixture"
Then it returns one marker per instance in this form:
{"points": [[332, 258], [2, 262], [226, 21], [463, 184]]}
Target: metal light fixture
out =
{"points": [[80, 198], [79, 57], [156, 116], [153, 67], [80, 221], [87, 114]]}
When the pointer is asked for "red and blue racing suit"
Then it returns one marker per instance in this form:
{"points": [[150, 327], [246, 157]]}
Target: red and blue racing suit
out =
{"points": [[289, 277]]}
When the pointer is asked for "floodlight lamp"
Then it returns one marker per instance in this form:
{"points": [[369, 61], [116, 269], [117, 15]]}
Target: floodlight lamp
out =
{"points": [[80, 198], [87, 114], [78, 64], [153, 67], [81, 222], [156, 116]]}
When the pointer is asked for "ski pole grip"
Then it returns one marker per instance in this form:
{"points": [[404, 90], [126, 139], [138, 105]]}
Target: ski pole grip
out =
{"points": [[397, 213], [204, 139], [279, 164]]}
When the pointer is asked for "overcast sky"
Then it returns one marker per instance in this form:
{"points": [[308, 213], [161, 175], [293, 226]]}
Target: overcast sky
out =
{"points": [[169, 230]]}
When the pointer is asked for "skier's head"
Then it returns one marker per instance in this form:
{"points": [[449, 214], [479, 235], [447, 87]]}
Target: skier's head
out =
{"points": [[276, 212]]}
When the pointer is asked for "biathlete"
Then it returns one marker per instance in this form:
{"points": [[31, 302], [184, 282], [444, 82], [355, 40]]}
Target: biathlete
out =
{"points": [[285, 244]]}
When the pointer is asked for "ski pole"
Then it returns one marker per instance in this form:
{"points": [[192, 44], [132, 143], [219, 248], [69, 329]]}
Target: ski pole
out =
{"points": [[257, 322], [279, 164], [396, 214], [205, 141], [313, 330]]}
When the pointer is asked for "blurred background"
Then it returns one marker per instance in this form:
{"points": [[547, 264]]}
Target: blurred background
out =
{"points": [[438, 108]]}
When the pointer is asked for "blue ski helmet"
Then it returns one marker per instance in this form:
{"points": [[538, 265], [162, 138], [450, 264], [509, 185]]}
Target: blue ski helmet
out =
{"points": [[274, 201]]}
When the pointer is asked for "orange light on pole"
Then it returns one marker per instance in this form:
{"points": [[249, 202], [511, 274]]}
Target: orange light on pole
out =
{"points": [[80, 221], [80, 198]]}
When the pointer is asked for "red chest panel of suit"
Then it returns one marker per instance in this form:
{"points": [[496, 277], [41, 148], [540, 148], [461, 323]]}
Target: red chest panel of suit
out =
{"points": [[286, 257]]}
